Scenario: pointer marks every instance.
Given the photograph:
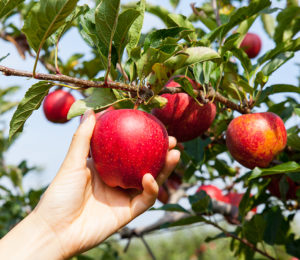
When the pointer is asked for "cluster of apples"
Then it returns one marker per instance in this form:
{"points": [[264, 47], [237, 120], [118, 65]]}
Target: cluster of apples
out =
{"points": [[127, 143]]}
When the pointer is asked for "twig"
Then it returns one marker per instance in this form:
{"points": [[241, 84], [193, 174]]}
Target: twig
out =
{"points": [[148, 248], [216, 11], [147, 92]]}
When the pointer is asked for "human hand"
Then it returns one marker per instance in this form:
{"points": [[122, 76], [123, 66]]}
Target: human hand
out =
{"points": [[80, 210]]}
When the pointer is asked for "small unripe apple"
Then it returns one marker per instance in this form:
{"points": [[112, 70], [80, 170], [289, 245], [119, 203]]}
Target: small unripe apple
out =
{"points": [[274, 187], [126, 144], [255, 139], [57, 104], [234, 199], [183, 117], [171, 184], [213, 192], [251, 44]]}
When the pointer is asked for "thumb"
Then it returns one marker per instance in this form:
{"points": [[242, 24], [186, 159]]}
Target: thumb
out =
{"points": [[80, 145]]}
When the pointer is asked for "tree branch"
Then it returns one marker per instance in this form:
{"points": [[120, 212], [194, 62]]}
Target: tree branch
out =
{"points": [[143, 90]]}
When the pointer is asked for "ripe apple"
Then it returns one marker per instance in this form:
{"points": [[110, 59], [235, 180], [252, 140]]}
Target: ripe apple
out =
{"points": [[213, 192], [251, 44], [171, 184], [274, 187], [182, 116], [126, 144], [255, 139], [234, 199], [57, 104]]}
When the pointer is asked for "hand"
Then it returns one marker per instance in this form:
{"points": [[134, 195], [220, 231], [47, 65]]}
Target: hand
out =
{"points": [[80, 210]]}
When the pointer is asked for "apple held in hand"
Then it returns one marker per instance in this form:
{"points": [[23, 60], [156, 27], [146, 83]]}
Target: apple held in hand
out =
{"points": [[126, 144], [171, 184], [57, 104], [183, 117], [255, 139], [251, 44], [213, 192]]}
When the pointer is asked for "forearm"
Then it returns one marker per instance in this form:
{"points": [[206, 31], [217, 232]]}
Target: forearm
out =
{"points": [[30, 239]]}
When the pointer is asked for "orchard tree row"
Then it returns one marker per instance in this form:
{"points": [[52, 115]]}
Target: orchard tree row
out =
{"points": [[202, 79]]}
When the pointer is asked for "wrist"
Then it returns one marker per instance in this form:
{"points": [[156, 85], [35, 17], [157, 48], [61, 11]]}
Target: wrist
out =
{"points": [[31, 239]]}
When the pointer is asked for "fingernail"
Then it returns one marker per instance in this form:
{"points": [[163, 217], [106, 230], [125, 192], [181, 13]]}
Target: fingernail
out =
{"points": [[86, 115]]}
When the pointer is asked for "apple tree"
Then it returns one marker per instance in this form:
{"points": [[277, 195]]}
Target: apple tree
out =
{"points": [[205, 77]]}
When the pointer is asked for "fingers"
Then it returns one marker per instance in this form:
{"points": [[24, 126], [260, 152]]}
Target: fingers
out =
{"points": [[147, 198], [80, 145], [172, 159], [172, 142]]}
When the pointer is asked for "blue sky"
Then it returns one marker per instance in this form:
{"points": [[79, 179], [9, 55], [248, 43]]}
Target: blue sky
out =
{"points": [[45, 144]]}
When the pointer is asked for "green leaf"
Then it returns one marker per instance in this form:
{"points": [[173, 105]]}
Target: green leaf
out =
{"points": [[286, 20], [268, 23], [148, 59], [6, 6], [172, 207], [158, 38], [191, 56], [4, 57], [254, 229], [277, 62], [238, 16], [44, 19], [278, 169], [79, 10], [185, 221], [174, 3], [99, 99], [32, 101], [200, 202], [106, 18], [136, 28], [293, 140], [161, 13], [125, 21], [278, 88], [292, 246], [181, 21]]}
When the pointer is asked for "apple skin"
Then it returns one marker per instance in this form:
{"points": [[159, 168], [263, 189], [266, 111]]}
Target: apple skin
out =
{"points": [[182, 116], [57, 104], [274, 188], [255, 139], [172, 183], [213, 192], [251, 44], [126, 144], [234, 199]]}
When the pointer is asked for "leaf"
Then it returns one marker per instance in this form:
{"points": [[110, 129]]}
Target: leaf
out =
{"points": [[125, 21], [172, 207], [106, 18], [277, 62], [200, 202], [286, 19], [292, 246], [293, 140], [191, 56], [174, 3], [31, 101], [99, 99], [44, 19], [161, 13], [6, 6], [79, 10], [238, 16], [278, 88], [136, 28], [278, 169], [185, 221], [181, 21], [269, 24], [254, 229], [148, 59], [4, 57]]}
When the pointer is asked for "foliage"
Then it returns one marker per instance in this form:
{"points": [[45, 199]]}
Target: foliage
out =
{"points": [[136, 64]]}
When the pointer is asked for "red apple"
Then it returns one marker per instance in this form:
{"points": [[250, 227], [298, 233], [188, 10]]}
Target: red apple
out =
{"points": [[274, 188], [126, 144], [234, 199], [213, 192], [182, 116], [57, 104], [255, 139], [251, 44], [171, 184]]}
